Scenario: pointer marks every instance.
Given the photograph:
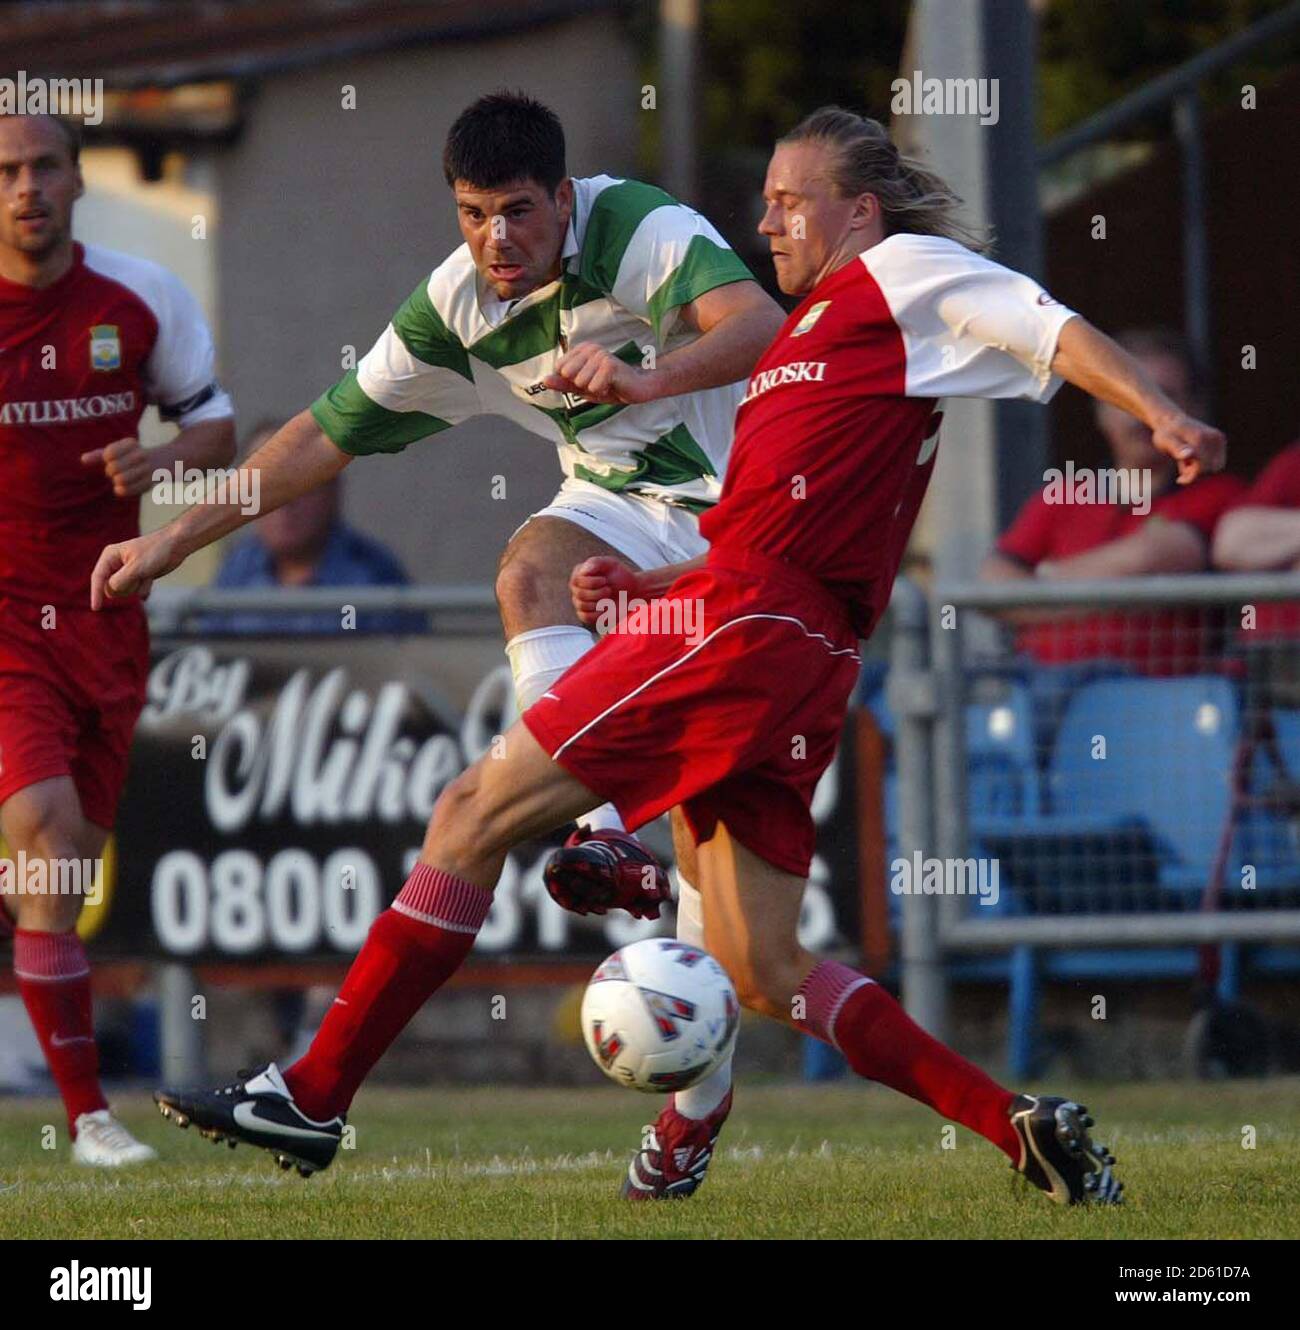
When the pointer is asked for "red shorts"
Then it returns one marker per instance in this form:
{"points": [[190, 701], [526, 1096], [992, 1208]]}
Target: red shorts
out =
{"points": [[734, 715], [70, 695]]}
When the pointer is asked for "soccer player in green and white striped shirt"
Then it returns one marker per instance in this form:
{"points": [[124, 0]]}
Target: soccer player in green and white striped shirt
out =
{"points": [[601, 315], [597, 313]]}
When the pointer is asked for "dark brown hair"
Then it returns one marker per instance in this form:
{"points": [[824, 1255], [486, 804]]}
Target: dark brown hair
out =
{"points": [[504, 137]]}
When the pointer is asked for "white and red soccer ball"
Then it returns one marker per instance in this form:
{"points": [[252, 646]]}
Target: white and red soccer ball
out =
{"points": [[659, 1015]]}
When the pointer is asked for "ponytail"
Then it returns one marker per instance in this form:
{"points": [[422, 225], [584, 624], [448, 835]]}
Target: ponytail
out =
{"points": [[912, 197]]}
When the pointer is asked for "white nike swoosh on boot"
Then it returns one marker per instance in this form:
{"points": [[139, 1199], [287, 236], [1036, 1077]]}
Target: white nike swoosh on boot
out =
{"points": [[248, 1119]]}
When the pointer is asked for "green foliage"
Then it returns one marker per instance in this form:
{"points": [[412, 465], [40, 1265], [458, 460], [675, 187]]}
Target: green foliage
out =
{"points": [[767, 63], [770, 62], [1092, 52]]}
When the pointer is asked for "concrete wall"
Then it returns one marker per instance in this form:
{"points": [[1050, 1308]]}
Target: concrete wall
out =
{"points": [[328, 218]]}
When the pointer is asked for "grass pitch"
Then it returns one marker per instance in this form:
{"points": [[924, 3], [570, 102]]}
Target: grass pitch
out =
{"points": [[795, 1162]]}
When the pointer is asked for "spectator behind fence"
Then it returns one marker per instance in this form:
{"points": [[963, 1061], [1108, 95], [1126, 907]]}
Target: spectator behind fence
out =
{"points": [[306, 543], [1262, 534], [1134, 521]]}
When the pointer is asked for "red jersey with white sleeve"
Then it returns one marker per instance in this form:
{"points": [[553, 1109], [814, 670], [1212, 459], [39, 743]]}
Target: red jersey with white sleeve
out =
{"points": [[836, 436], [1277, 486], [728, 695], [79, 362], [1166, 641]]}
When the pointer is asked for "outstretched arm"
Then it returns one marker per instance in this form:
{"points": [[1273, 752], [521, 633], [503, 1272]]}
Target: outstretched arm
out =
{"points": [[295, 459], [1090, 360]]}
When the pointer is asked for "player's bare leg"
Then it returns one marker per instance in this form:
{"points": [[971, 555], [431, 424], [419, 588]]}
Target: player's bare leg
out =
{"points": [[532, 584], [751, 915], [44, 823], [512, 793], [532, 589], [544, 637], [751, 919]]}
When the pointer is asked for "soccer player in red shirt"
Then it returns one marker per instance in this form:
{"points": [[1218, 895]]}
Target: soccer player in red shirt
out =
{"points": [[1261, 534], [834, 445], [88, 337], [1098, 538]]}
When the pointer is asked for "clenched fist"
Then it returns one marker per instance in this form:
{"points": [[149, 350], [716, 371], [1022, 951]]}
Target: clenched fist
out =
{"points": [[125, 463], [596, 583], [589, 371], [1198, 448], [129, 568]]}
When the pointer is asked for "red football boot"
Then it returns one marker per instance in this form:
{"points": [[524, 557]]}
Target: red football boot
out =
{"points": [[597, 871], [674, 1155]]}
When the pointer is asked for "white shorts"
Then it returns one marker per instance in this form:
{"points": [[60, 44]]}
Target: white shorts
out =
{"points": [[649, 532]]}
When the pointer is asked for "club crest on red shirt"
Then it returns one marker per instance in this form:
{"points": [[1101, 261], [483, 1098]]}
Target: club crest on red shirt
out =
{"points": [[810, 318], [105, 347]]}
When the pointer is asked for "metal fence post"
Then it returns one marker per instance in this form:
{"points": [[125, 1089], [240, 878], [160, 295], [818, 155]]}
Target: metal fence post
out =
{"points": [[1022, 1016], [946, 652], [181, 1034], [910, 694], [1189, 131]]}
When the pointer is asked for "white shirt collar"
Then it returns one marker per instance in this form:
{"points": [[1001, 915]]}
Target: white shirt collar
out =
{"points": [[570, 246]]}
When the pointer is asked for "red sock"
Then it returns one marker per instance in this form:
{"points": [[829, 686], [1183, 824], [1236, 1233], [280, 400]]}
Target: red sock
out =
{"points": [[883, 1043], [412, 949], [54, 979]]}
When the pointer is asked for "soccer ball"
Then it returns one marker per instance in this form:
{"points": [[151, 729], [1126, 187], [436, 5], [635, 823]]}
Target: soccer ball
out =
{"points": [[659, 1015]]}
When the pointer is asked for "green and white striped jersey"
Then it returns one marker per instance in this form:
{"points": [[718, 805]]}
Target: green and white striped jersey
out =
{"points": [[632, 257]]}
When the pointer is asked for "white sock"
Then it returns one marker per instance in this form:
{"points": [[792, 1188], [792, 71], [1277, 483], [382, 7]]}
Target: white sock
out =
{"points": [[537, 659], [701, 1099]]}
